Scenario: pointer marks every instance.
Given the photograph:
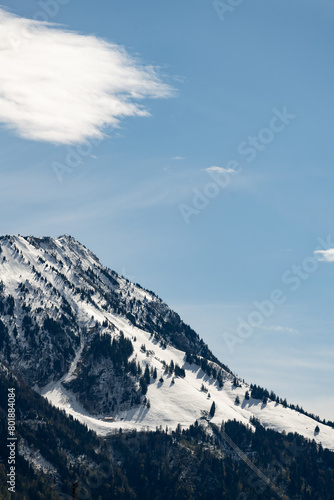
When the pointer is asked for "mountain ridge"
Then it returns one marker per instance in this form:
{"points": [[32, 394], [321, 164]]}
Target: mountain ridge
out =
{"points": [[111, 353]]}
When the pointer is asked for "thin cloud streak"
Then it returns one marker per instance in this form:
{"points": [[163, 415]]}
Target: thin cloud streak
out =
{"points": [[63, 87], [219, 170], [280, 329]]}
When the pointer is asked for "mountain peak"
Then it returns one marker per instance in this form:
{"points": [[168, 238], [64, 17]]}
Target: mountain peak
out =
{"points": [[67, 238], [103, 348]]}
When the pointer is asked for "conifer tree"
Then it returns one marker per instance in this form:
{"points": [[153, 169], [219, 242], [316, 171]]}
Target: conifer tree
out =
{"points": [[147, 375], [212, 409]]}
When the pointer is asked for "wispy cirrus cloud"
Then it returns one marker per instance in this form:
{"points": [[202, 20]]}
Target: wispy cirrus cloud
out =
{"points": [[325, 255], [62, 87], [280, 329]]}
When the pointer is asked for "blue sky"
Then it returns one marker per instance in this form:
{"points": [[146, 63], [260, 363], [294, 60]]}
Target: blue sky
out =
{"points": [[217, 85]]}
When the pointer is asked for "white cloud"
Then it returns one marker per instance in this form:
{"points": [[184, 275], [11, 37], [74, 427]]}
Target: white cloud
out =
{"points": [[63, 87], [178, 158], [325, 255], [219, 170], [282, 329]]}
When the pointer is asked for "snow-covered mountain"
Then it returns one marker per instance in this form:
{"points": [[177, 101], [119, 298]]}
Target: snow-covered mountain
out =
{"points": [[113, 354]]}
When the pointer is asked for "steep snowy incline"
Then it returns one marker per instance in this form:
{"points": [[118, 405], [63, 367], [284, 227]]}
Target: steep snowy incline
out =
{"points": [[53, 291], [111, 353], [181, 400]]}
